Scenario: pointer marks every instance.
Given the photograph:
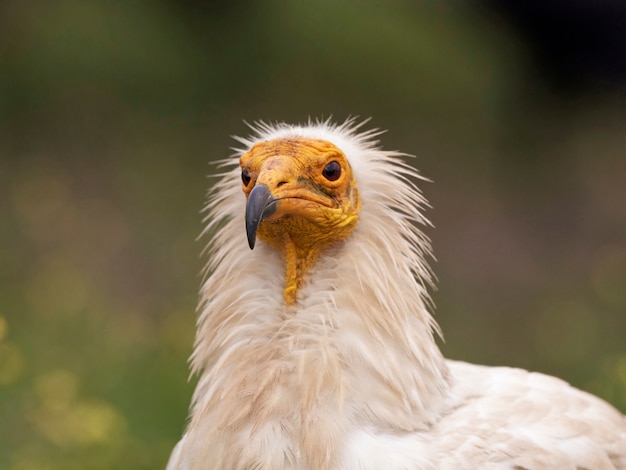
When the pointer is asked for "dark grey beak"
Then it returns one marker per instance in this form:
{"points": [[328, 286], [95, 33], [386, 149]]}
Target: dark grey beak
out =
{"points": [[261, 204]]}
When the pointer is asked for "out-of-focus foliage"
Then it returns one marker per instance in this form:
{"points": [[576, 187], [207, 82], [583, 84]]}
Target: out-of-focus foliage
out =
{"points": [[110, 113]]}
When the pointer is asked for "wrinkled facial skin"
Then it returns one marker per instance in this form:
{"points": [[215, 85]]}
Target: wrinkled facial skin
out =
{"points": [[302, 188]]}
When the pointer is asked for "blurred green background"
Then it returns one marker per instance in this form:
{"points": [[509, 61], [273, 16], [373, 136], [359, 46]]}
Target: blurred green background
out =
{"points": [[111, 111]]}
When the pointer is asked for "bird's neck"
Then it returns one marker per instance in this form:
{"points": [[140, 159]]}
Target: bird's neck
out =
{"points": [[298, 258], [300, 244], [356, 348]]}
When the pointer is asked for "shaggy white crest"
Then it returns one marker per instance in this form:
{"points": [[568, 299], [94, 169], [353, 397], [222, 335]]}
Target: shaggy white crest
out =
{"points": [[350, 376]]}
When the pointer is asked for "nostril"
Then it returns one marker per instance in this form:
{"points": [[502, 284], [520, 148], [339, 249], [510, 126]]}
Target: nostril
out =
{"points": [[280, 184]]}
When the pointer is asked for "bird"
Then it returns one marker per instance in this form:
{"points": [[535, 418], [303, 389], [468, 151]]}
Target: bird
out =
{"points": [[315, 344]]}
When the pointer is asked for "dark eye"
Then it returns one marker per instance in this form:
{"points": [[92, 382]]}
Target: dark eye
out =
{"points": [[332, 171], [245, 177]]}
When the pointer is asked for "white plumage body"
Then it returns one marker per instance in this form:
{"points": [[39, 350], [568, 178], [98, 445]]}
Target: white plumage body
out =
{"points": [[350, 377]]}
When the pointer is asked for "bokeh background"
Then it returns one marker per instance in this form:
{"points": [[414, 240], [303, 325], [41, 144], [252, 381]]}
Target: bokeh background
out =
{"points": [[110, 113]]}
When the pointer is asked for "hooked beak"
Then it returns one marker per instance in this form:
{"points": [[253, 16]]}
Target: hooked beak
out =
{"points": [[261, 204]]}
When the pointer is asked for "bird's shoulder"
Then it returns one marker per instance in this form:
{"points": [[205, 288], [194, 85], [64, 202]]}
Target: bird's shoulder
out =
{"points": [[501, 417]]}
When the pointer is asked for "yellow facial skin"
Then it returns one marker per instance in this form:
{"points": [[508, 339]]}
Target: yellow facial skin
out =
{"points": [[316, 198]]}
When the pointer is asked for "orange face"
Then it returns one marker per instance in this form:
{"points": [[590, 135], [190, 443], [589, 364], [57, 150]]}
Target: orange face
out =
{"points": [[309, 192]]}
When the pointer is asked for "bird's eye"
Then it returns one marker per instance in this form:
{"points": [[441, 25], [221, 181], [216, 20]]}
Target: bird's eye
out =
{"points": [[245, 177], [332, 171]]}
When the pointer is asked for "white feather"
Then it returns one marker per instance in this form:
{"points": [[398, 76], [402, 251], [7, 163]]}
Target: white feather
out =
{"points": [[351, 377]]}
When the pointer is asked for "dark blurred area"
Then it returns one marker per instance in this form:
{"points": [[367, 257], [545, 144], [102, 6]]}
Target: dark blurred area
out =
{"points": [[110, 113], [577, 47]]}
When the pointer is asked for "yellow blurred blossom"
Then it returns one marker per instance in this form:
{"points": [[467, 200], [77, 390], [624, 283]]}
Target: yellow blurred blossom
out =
{"points": [[57, 390], [11, 363], [82, 424]]}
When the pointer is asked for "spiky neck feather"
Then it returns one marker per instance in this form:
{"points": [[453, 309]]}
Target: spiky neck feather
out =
{"points": [[305, 375]]}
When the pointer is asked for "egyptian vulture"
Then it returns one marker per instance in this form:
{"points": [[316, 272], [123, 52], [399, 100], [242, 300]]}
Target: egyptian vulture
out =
{"points": [[316, 349]]}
